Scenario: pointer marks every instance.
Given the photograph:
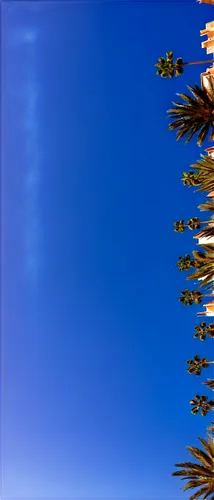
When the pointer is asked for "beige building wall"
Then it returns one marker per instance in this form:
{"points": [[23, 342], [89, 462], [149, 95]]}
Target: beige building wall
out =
{"points": [[209, 32], [210, 307], [209, 310], [205, 78]]}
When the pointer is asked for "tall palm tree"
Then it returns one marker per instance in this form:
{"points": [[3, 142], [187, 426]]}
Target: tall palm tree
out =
{"points": [[190, 179], [196, 365], [195, 114], [203, 330], [200, 475], [189, 298], [202, 174], [185, 263], [192, 224], [204, 263], [201, 403], [167, 68]]}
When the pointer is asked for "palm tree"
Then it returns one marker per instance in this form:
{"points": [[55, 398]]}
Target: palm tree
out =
{"points": [[188, 298], [201, 403], [209, 383], [190, 179], [204, 264], [200, 475], [195, 115], [202, 175], [192, 224], [167, 68], [203, 330], [185, 263], [196, 364]]}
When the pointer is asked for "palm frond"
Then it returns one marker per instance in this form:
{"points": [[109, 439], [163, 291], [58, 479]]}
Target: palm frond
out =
{"points": [[195, 116]]}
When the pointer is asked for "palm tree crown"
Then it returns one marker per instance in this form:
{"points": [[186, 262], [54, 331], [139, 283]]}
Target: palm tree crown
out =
{"points": [[190, 179], [203, 330], [195, 115], [185, 263], [200, 475], [167, 68], [192, 224], [188, 298], [201, 403], [196, 364], [202, 174], [204, 265]]}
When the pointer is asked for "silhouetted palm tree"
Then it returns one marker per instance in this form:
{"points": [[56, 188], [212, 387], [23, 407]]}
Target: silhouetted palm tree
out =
{"points": [[185, 263], [200, 475], [201, 174], [189, 298], [192, 224], [201, 403], [203, 330], [196, 365], [190, 179], [195, 114], [204, 264], [167, 68]]}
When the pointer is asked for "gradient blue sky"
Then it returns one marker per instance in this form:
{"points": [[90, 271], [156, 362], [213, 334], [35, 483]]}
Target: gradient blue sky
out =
{"points": [[95, 396]]}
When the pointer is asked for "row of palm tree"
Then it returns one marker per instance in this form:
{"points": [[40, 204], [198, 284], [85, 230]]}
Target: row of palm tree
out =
{"points": [[196, 223], [194, 116]]}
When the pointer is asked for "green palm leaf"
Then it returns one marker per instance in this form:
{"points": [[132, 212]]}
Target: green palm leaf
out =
{"points": [[195, 116], [199, 476]]}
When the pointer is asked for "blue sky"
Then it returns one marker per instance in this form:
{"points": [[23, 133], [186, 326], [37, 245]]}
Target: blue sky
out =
{"points": [[95, 398]]}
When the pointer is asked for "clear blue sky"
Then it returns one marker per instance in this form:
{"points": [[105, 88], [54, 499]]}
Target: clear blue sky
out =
{"points": [[95, 390]]}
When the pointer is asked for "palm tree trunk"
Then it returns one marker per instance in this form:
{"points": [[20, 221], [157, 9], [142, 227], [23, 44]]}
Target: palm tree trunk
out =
{"points": [[208, 221], [198, 62], [204, 222]]}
